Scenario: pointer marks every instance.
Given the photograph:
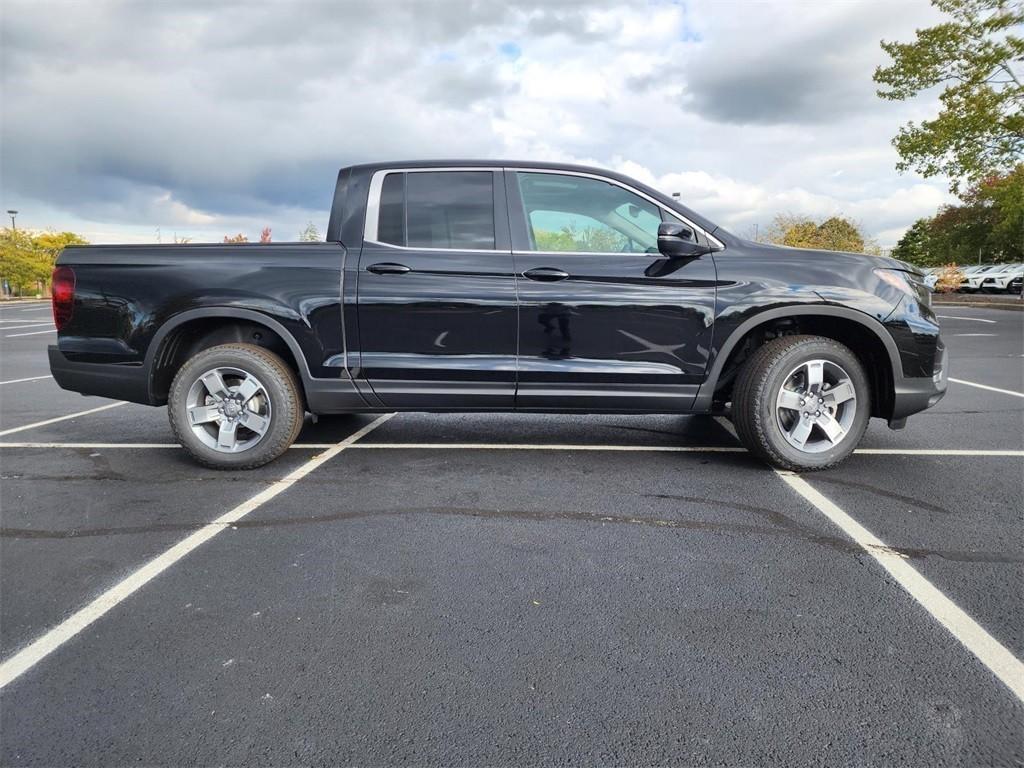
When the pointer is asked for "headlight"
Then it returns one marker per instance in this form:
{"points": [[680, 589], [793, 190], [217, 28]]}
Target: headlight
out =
{"points": [[907, 282]]}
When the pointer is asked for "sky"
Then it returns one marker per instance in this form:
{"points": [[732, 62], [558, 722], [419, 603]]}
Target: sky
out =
{"points": [[129, 122]]}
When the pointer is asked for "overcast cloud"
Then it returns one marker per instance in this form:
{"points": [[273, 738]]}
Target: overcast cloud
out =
{"points": [[204, 119]]}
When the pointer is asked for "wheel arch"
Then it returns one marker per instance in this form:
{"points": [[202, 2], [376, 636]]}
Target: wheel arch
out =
{"points": [[184, 334], [865, 335]]}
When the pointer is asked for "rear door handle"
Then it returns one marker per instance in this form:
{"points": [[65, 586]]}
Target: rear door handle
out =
{"points": [[546, 274], [387, 268]]}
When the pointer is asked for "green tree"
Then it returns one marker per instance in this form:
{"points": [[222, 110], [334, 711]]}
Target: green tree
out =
{"points": [[987, 227], [573, 238], [55, 242], [914, 246], [1005, 196], [980, 127], [835, 233], [310, 234], [839, 234], [26, 261]]}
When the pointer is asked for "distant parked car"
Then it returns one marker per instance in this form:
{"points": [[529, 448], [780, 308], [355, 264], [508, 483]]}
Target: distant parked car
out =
{"points": [[973, 277], [1000, 278]]}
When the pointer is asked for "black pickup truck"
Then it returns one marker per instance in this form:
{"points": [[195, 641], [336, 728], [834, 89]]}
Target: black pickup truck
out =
{"points": [[500, 286]]}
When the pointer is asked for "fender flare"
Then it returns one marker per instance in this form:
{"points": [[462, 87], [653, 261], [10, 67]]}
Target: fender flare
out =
{"points": [[704, 396], [233, 313]]}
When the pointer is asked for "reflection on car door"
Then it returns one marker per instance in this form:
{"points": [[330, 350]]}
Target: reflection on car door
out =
{"points": [[605, 321]]}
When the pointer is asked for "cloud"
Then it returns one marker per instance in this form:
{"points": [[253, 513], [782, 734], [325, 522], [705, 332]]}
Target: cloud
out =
{"points": [[215, 117], [779, 64]]}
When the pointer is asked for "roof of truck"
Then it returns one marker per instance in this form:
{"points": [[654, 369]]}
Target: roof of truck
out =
{"points": [[369, 168]]}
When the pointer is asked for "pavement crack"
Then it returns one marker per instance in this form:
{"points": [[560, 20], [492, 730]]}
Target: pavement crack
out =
{"points": [[783, 527], [886, 494]]}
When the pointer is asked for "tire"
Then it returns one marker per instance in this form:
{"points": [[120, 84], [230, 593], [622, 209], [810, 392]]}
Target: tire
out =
{"points": [[770, 422], [259, 406]]}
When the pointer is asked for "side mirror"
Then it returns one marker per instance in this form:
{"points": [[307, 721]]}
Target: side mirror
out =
{"points": [[679, 241]]}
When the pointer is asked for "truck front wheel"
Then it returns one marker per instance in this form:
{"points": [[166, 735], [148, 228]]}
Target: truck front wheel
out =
{"points": [[802, 402], [235, 406]]}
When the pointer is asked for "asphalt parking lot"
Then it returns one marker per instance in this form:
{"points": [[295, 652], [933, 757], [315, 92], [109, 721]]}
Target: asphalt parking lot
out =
{"points": [[483, 590]]}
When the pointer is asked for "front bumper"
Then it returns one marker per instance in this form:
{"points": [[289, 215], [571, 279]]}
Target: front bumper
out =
{"points": [[913, 395], [117, 381]]}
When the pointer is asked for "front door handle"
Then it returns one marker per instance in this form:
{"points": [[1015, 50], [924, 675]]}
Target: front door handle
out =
{"points": [[387, 268], [546, 274]]}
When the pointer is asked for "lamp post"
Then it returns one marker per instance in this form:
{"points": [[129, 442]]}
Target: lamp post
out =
{"points": [[12, 214]]}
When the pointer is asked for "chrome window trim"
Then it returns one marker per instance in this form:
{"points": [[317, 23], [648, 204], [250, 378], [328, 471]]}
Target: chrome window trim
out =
{"points": [[377, 182], [637, 192], [586, 253], [373, 208]]}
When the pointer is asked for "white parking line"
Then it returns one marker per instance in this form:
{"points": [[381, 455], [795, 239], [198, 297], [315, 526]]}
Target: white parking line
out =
{"points": [[36, 333], [989, 651], [980, 452], [30, 378], [677, 449], [986, 386], [556, 447], [972, 319], [39, 649], [97, 446], [61, 418], [19, 327]]}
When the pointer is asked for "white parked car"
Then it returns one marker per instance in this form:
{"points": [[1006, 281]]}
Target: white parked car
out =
{"points": [[1000, 278], [931, 276], [974, 275]]}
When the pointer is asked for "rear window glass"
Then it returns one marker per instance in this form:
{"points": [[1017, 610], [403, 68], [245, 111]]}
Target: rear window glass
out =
{"points": [[438, 209]]}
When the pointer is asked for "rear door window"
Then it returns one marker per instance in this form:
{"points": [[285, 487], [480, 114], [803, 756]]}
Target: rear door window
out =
{"points": [[438, 209]]}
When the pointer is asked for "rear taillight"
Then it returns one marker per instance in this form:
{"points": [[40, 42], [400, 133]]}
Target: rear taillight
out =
{"points": [[63, 292]]}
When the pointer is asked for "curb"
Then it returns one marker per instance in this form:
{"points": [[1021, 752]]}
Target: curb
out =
{"points": [[1016, 306]]}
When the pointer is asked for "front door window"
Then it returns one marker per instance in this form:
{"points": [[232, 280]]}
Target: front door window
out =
{"points": [[584, 215]]}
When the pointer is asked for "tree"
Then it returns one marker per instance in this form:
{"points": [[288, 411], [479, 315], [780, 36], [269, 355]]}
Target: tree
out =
{"points": [[573, 238], [988, 226], [26, 260], [979, 130], [239, 238], [265, 235], [835, 233], [55, 242], [949, 279], [1005, 195], [310, 234], [914, 246]]}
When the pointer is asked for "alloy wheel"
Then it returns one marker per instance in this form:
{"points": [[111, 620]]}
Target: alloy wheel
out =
{"points": [[816, 406], [228, 409]]}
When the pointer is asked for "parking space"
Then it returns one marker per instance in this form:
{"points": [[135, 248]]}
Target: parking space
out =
{"points": [[478, 589]]}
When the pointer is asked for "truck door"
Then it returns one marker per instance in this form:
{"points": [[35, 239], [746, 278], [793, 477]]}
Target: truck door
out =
{"points": [[436, 290], [606, 322]]}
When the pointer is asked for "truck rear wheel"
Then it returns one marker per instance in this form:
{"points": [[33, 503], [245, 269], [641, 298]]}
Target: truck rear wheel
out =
{"points": [[235, 406], [802, 402]]}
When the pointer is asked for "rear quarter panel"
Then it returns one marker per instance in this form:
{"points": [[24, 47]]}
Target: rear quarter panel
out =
{"points": [[125, 294]]}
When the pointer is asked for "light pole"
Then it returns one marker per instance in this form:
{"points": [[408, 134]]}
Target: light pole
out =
{"points": [[12, 214]]}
